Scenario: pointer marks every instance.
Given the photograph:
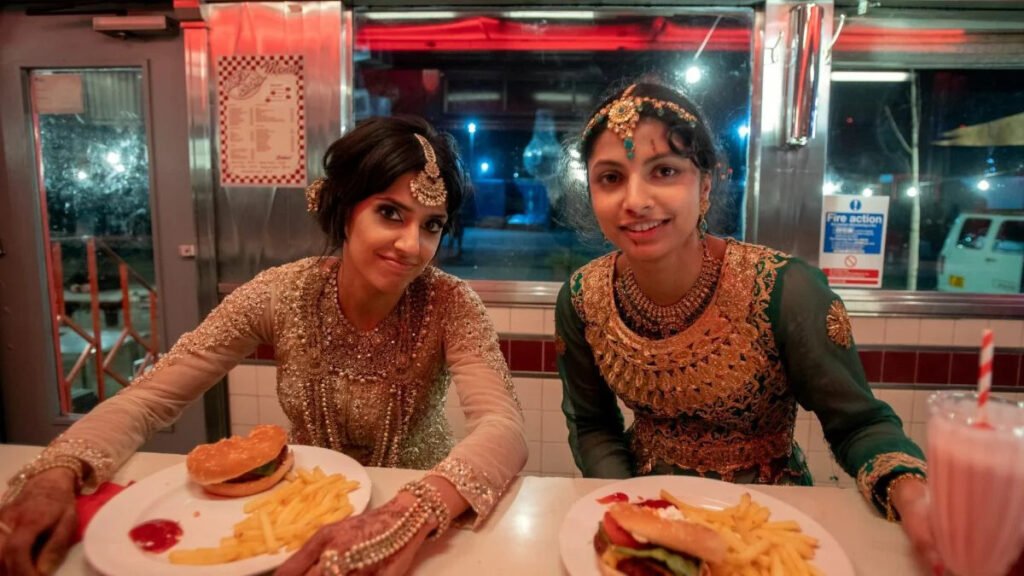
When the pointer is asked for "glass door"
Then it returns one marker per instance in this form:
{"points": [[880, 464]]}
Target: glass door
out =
{"points": [[93, 159]]}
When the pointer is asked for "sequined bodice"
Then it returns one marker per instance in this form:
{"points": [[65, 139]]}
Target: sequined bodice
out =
{"points": [[376, 395]]}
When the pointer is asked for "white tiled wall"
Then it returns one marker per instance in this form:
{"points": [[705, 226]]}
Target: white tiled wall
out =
{"points": [[866, 331], [254, 400], [934, 332], [546, 433], [252, 393]]}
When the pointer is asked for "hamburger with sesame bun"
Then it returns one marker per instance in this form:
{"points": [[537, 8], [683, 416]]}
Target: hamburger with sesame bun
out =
{"points": [[242, 465]]}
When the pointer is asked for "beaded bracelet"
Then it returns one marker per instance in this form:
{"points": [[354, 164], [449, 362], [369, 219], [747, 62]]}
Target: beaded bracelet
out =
{"points": [[377, 549], [891, 514], [431, 498], [41, 464]]}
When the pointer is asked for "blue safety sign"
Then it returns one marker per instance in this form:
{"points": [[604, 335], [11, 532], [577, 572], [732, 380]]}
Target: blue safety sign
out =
{"points": [[853, 233]]}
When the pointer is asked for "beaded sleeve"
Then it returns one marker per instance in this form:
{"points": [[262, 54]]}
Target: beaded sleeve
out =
{"points": [[494, 450]]}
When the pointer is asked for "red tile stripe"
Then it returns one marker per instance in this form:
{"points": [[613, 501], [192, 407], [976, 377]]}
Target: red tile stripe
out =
{"points": [[925, 367]]}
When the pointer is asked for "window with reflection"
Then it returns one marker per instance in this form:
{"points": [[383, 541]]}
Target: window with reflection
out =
{"points": [[955, 224], [512, 86]]}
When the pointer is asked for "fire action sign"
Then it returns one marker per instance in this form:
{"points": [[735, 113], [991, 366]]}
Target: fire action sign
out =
{"points": [[853, 240]]}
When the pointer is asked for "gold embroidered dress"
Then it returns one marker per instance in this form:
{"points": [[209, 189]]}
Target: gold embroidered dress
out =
{"points": [[719, 398], [378, 396]]}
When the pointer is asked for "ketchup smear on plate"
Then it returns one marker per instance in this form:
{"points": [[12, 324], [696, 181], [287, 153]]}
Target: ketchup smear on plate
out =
{"points": [[613, 497], [156, 536]]}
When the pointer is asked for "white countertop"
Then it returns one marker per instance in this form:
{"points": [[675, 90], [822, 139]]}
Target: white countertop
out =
{"points": [[521, 538]]}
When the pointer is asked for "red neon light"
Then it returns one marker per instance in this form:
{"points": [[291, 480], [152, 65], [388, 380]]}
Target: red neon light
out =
{"points": [[485, 34], [864, 39]]}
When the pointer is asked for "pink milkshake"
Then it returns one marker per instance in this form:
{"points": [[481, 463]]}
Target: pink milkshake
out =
{"points": [[976, 482]]}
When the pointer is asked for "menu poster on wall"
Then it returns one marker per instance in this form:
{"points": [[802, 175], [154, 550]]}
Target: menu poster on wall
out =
{"points": [[262, 120], [853, 240]]}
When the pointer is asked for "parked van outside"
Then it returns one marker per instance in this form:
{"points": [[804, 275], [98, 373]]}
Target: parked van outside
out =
{"points": [[984, 252]]}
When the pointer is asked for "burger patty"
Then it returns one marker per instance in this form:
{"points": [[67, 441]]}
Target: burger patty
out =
{"points": [[252, 475], [642, 567]]}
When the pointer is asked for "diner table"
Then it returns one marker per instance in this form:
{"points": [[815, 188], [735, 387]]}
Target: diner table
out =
{"points": [[521, 537]]}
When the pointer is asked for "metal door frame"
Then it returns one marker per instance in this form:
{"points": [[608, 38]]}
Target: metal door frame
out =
{"points": [[27, 361]]}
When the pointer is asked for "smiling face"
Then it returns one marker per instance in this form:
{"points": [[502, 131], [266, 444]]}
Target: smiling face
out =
{"points": [[391, 238], [647, 205]]}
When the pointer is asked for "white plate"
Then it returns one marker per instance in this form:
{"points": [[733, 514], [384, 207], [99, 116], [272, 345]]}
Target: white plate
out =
{"points": [[169, 494], [576, 538]]}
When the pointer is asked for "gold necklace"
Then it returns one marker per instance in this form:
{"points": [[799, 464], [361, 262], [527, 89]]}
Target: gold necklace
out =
{"points": [[653, 320]]}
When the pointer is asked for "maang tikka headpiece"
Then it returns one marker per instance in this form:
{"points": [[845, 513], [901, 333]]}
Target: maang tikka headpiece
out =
{"points": [[623, 114], [428, 186]]}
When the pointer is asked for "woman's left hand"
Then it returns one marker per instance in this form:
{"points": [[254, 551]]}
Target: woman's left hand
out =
{"points": [[341, 536], [910, 498]]}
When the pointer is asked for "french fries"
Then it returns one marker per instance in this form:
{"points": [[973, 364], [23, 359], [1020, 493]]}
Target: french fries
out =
{"points": [[757, 546], [284, 518]]}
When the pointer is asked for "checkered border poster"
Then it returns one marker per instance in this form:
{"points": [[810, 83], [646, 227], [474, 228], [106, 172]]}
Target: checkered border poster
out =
{"points": [[261, 119]]}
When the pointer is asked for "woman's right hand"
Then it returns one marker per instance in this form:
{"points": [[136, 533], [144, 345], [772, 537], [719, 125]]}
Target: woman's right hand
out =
{"points": [[42, 522]]}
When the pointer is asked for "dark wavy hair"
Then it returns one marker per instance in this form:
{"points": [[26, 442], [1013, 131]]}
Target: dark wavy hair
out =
{"points": [[371, 157]]}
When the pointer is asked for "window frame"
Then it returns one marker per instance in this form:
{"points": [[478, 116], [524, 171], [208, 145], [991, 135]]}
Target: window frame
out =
{"points": [[992, 40]]}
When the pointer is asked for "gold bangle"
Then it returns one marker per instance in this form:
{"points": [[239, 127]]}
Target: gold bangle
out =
{"points": [[891, 514], [41, 464]]}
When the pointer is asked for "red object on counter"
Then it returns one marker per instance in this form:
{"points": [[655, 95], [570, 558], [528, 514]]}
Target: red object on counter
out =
{"points": [[612, 498], [156, 536], [88, 505]]}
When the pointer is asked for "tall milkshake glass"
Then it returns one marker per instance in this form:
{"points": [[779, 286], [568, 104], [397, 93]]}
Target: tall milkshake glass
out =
{"points": [[976, 482]]}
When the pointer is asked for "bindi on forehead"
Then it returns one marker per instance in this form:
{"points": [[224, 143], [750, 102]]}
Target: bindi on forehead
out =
{"points": [[652, 136], [652, 146]]}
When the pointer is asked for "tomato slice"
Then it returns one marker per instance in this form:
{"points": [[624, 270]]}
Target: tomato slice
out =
{"points": [[618, 535]]}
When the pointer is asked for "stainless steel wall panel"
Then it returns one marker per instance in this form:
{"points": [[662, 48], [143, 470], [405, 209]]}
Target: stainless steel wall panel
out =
{"points": [[261, 227], [788, 217]]}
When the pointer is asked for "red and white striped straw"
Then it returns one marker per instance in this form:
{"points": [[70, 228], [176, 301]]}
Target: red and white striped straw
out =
{"points": [[985, 367]]}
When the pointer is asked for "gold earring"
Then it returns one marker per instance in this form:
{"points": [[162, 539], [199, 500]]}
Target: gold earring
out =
{"points": [[702, 221], [313, 192]]}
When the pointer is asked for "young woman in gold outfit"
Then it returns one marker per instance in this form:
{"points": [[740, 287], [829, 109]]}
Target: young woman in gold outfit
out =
{"points": [[711, 342], [366, 345]]}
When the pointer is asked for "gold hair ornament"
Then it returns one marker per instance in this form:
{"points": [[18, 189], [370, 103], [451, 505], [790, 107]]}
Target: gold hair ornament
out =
{"points": [[313, 194], [623, 114], [428, 186]]}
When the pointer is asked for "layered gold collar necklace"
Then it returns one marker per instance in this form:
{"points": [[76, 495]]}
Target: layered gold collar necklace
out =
{"points": [[652, 320]]}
